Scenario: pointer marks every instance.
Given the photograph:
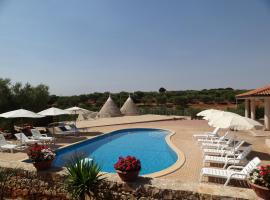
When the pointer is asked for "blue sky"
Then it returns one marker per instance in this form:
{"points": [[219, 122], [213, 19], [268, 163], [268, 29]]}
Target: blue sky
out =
{"points": [[82, 46]]}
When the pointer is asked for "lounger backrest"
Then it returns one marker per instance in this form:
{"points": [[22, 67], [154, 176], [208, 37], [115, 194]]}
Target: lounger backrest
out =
{"points": [[216, 131], [229, 141], [223, 137], [239, 144], [68, 127], [36, 133], [244, 154], [251, 165], [2, 140], [21, 137]]}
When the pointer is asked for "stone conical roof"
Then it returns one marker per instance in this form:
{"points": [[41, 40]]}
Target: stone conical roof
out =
{"points": [[109, 109], [129, 107]]}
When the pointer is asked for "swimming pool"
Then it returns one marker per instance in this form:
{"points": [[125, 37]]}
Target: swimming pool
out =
{"points": [[148, 145]]}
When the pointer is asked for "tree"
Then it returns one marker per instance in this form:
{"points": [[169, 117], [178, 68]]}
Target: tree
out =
{"points": [[162, 90], [161, 100]]}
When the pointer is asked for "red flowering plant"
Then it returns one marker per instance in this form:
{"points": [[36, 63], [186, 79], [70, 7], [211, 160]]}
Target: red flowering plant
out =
{"points": [[39, 153], [261, 176], [127, 164]]}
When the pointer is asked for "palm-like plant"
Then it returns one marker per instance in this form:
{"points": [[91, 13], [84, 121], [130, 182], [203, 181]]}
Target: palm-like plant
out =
{"points": [[83, 177]]}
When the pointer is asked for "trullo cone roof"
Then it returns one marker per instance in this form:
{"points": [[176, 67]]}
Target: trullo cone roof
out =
{"points": [[129, 107], [109, 109]]}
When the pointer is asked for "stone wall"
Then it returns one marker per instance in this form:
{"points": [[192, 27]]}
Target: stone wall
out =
{"points": [[28, 184]]}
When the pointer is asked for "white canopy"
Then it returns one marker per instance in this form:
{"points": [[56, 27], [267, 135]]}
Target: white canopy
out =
{"points": [[233, 121], [53, 112], [20, 113], [218, 114], [207, 112], [77, 110]]}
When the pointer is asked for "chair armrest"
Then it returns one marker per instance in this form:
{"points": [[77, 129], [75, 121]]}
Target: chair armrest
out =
{"points": [[229, 159], [44, 135], [238, 173], [235, 167]]}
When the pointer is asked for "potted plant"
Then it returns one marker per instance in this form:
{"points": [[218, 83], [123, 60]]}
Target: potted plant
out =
{"points": [[83, 178], [259, 181], [41, 156], [128, 168]]}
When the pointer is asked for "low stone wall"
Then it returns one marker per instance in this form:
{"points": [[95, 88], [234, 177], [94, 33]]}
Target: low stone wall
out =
{"points": [[32, 185], [28, 184]]}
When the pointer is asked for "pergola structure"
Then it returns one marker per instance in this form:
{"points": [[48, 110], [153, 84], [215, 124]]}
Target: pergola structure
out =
{"points": [[250, 97]]}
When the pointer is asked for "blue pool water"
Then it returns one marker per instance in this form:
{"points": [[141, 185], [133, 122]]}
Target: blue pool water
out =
{"points": [[148, 145]]}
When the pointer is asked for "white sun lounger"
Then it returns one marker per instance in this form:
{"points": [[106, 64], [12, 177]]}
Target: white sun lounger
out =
{"points": [[216, 145], [232, 172], [214, 133], [236, 159], [25, 140], [214, 139], [42, 137], [224, 151], [5, 145]]}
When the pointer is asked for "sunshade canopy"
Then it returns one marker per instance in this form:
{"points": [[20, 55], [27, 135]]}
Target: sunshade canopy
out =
{"points": [[207, 112], [53, 112], [20, 113], [77, 110], [233, 121]]}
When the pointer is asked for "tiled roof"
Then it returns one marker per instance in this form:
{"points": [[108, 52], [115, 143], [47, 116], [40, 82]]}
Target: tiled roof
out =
{"points": [[263, 91]]}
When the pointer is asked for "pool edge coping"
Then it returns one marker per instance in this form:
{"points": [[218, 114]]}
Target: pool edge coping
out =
{"points": [[177, 165], [181, 158]]}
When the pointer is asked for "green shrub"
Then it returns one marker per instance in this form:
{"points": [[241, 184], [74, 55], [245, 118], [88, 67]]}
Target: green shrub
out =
{"points": [[83, 177]]}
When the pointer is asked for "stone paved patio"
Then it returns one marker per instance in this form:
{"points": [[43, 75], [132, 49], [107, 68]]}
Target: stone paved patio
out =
{"points": [[189, 172]]}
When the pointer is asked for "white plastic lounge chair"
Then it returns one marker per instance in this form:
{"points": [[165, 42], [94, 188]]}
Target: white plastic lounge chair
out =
{"points": [[214, 133], [58, 132], [42, 137], [221, 139], [232, 172], [5, 145], [236, 159], [224, 151], [25, 140], [216, 145]]}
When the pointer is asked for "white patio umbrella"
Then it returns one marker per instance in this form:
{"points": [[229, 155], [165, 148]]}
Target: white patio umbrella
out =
{"points": [[20, 113], [232, 121], [207, 112], [53, 112], [217, 115], [77, 110]]}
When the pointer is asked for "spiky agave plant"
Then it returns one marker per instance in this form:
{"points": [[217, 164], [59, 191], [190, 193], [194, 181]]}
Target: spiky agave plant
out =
{"points": [[83, 177]]}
